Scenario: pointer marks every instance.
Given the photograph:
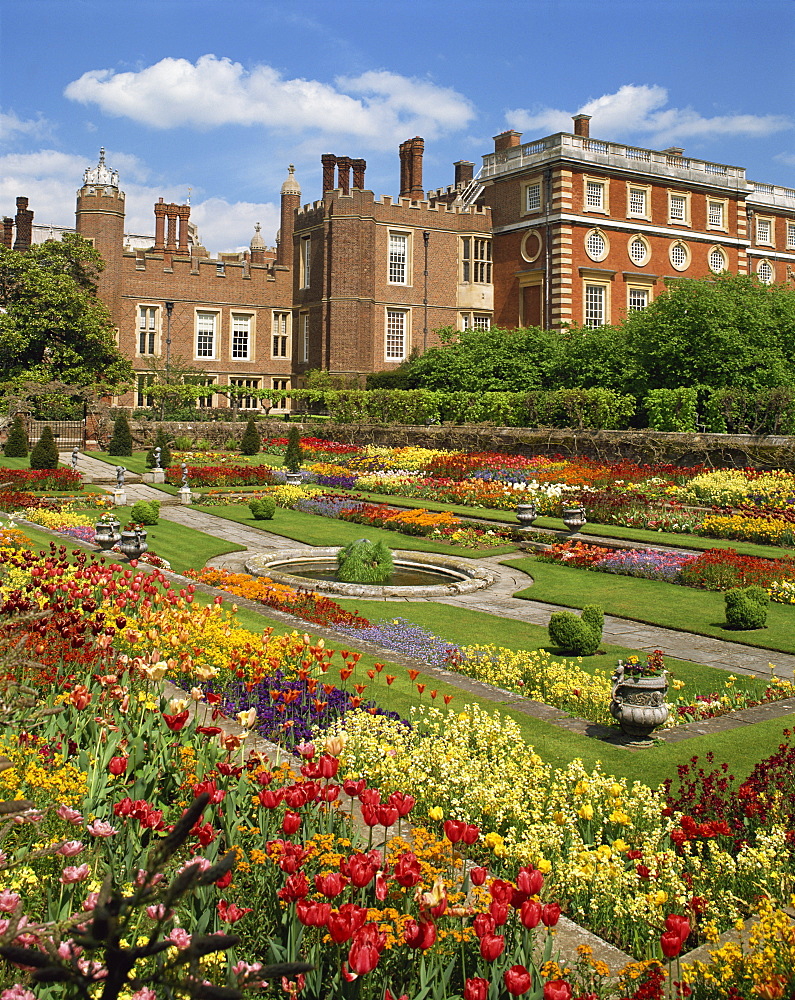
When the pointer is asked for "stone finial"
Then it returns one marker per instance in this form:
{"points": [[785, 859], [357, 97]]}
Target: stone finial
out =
{"points": [[257, 242], [291, 185]]}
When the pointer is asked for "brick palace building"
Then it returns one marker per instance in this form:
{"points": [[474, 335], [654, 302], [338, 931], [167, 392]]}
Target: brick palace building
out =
{"points": [[563, 230]]}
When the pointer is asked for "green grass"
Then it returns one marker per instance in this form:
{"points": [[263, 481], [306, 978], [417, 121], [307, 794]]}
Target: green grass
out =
{"points": [[14, 463], [316, 530], [652, 602]]}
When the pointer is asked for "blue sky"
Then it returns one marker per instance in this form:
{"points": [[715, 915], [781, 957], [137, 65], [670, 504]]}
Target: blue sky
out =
{"points": [[219, 97]]}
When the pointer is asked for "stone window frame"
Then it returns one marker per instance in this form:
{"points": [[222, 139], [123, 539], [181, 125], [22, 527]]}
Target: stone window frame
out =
{"points": [[724, 258], [723, 203], [604, 184], [247, 382], [606, 240], [474, 264], [790, 235], [390, 311], [283, 405], [152, 334], [646, 190], [304, 261], [251, 334], [527, 186], [531, 234], [474, 320], [684, 265], [282, 331], [303, 332], [646, 244], [770, 271], [406, 235], [686, 196], [604, 285], [770, 221], [216, 334]]}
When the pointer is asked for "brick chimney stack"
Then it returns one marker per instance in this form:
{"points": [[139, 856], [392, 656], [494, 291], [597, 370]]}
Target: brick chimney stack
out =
{"points": [[329, 161], [344, 174], [464, 172], [8, 232], [359, 167], [405, 184], [160, 225], [507, 140], [24, 223], [416, 191], [582, 125]]}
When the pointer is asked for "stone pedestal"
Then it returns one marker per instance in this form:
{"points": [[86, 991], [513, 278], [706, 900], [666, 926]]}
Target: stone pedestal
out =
{"points": [[186, 495], [120, 498], [155, 476]]}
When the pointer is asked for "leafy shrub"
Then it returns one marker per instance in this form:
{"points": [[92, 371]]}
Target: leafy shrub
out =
{"points": [[746, 608], [263, 508], [45, 452], [576, 634], [251, 442], [183, 442], [364, 561], [121, 442], [293, 455], [672, 409], [17, 444], [161, 442], [145, 512]]}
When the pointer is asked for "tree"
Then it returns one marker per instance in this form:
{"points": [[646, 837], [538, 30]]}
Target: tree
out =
{"points": [[52, 325], [730, 330], [44, 454], [293, 453], [16, 445], [251, 442], [121, 442]]}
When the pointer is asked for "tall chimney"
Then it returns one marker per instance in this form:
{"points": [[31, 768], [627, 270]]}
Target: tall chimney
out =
{"points": [[507, 140], [344, 174], [24, 223], [405, 169], [416, 190], [184, 219], [359, 167], [464, 172], [8, 231], [171, 237], [329, 161], [582, 126], [160, 225]]}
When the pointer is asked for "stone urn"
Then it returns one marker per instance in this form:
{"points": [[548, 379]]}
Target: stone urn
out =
{"points": [[294, 478], [133, 542], [106, 534], [638, 703], [573, 517], [526, 513]]}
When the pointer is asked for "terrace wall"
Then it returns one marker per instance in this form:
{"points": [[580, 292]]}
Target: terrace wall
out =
{"points": [[717, 450]]}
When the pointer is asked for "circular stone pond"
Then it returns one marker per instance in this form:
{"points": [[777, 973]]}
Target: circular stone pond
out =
{"points": [[417, 574]]}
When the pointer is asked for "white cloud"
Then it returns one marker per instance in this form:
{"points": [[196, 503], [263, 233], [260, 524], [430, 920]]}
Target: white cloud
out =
{"points": [[641, 110], [216, 91], [786, 158], [50, 180], [11, 125]]}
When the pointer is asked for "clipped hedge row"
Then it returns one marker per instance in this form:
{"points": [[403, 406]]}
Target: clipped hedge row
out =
{"points": [[723, 411]]}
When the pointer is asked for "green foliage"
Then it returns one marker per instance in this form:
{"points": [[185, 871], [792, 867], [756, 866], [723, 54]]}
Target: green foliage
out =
{"points": [[251, 442], [161, 442], [740, 411], [293, 455], [52, 325], [145, 512], [44, 454], [580, 635], [725, 331], [121, 442], [263, 509], [746, 608], [17, 444], [672, 409], [364, 561]]}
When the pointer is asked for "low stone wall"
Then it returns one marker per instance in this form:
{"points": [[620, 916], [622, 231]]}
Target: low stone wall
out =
{"points": [[644, 446]]}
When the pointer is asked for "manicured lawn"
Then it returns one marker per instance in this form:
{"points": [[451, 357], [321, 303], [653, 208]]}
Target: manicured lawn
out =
{"points": [[14, 463], [652, 602], [316, 530]]}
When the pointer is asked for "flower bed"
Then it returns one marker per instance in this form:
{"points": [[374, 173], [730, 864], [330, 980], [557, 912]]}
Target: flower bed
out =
{"points": [[222, 475], [61, 479]]}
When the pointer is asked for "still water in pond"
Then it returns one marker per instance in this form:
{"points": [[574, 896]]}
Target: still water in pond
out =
{"points": [[400, 577]]}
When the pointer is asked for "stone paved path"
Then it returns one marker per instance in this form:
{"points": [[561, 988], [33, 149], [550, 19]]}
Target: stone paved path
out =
{"points": [[497, 600]]}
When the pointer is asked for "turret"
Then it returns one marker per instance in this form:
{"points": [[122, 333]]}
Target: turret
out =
{"points": [[100, 218], [291, 202]]}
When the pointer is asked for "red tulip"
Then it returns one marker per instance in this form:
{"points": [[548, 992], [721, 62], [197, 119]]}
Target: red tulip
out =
{"points": [[366, 948], [230, 913], [330, 885], [550, 914], [491, 946], [454, 830], [517, 980], [529, 880], [476, 989], [296, 887], [387, 815], [269, 799], [483, 924], [420, 935], [407, 871], [176, 722], [471, 833], [478, 875], [530, 913], [343, 923], [557, 989], [361, 869], [328, 766], [353, 788], [679, 924], [499, 911], [671, 944], [403, 803], [312, 914], [117, 765], [290, 823], [501, 890]]}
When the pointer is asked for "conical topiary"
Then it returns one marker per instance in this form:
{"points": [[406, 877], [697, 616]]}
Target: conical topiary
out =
{"points": [[251, 442], [44, 454], [293, 455], [17, 444], [121, 442], [161, 442]]}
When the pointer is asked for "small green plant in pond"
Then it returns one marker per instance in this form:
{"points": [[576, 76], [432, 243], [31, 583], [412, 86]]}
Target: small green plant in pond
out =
{"points": [[44, 454], [575, 634], [294, 454], [746, 608], [145, 512], [263, 509], [364, 561], [251, 442], [17, 444]]}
